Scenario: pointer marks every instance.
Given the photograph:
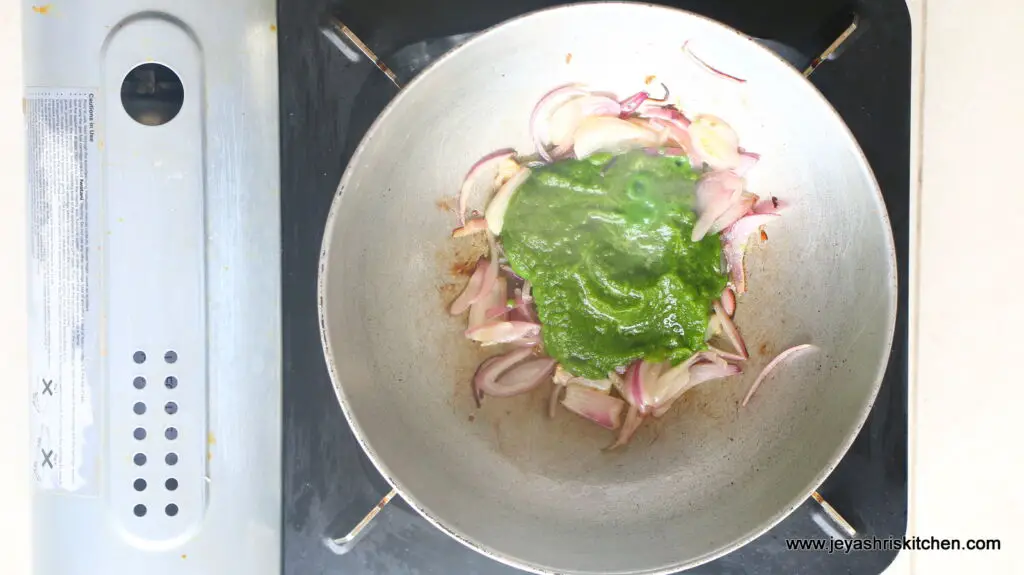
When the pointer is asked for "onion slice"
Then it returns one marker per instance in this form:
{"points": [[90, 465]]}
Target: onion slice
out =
{"points": [[716, 142], [495, 214], [483, 310], [543, 110], [481, 176], [610, 134], [735, 245], [502, 332], [567, 117], [734, 212], [472, 291], [747, 162], [485, 379], [633, 420], [556, 392], [730, 330], [772, 365], [520, 378], [708, 67], [728, 300], [598, 407], [726, 355], [697, 374], [630, 104], [717, 193]]}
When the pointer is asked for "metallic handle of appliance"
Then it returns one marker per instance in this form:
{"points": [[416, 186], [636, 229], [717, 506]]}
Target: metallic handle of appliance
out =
{"points": [[830, 521]]}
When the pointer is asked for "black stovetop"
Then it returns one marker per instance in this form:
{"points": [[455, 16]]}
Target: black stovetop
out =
{"points": [[328, 102]]}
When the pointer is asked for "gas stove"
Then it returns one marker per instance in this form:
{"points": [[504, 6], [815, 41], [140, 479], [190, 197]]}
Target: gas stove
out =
{"points": [[182, 416], [342, 63]]}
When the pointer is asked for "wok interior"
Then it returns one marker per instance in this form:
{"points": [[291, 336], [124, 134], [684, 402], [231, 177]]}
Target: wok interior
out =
{"points": [[540, 492]]}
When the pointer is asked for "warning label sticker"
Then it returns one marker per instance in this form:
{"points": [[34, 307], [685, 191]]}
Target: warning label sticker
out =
{"points": [[63, 170]]}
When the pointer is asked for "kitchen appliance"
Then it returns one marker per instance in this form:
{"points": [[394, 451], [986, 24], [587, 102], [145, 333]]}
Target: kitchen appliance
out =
{"points": [[329, 94], [542, 493]]}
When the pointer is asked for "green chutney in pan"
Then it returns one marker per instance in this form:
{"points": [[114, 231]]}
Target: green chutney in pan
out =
{"points": [[605, 242]]}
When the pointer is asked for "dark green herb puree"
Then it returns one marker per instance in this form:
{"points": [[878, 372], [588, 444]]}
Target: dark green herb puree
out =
{"points": [[605, 241]]}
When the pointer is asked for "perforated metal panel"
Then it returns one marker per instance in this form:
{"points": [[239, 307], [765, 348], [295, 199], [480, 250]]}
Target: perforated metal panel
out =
{"points": [[153, 141]]}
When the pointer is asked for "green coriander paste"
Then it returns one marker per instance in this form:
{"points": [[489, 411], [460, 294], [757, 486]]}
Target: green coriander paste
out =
{"points": [[605, 241]]}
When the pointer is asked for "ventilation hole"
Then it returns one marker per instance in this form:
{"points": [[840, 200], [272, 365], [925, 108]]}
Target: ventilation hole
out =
{"points": [[139, 408], [139, 357], [170, 382], [139, 459], [171, 509], [139, 382], [171, 433], [152, 94], [171, 408], [139, 433], [171, 484], [171, 356], [140, 485], [171, 458], [140, 510]]}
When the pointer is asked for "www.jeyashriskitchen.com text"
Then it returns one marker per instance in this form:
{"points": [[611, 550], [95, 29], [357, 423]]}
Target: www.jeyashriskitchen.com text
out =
{"points": [[893, 544]]}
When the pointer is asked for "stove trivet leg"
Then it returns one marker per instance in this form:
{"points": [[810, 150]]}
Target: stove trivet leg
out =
{"points": [[340, 34], [342, 545], [835, 525], [830, 53]]}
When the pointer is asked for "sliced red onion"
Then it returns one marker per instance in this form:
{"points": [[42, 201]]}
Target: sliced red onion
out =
{"points": [[527, 290], [598, 407], [567, 117], [483, 310], [633, 420], [716, 192], [523, 310], [715, 141], [771, 205], [714, 328], [471, 227], [610, 134], [542, 112], [502, 332], [495, 213], [663, 386], [473, 289], [708, 67], [666, 113], [556, 392], [499, 312], [485, 379], [772, 365], [747, 162], [481, 177], [730, 330], [697, 374], [633, 384], [630, 104], [491, 273], [726, 355], [734, 245], [734, 212], [520, 378], [600, 385], [729, 301], [532, 341]]}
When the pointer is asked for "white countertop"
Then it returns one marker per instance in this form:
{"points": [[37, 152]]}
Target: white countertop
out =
{"points": [[966, 423]]}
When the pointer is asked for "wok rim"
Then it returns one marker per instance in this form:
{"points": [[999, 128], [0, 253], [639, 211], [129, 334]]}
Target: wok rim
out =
{"points": [[467, 539]]}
